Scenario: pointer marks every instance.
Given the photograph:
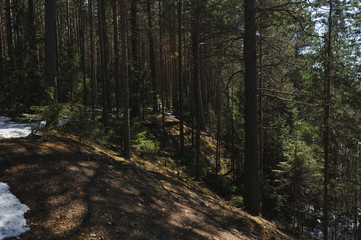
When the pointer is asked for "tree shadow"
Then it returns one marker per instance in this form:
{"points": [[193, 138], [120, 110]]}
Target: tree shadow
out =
{"points": [[76, 194]]}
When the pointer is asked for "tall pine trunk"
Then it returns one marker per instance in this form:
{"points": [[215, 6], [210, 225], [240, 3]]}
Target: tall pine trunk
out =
{"points": [[50, 51], [136, 101], [126, 124], [1, 48], [116, 55], [196, 82], [9, 30], [161, 77], [327, 122], [152, 54], [260, 99], [93, 62], [82, 52], [104, 61], [219, 110], [252, 181], [180, 76]]}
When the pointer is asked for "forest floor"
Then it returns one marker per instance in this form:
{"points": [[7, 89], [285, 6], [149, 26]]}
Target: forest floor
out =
{"points": [[85, 191]]}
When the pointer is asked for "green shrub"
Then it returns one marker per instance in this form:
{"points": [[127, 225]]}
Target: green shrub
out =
{"points": [[143, 144], [51, 114], [237, 201]]}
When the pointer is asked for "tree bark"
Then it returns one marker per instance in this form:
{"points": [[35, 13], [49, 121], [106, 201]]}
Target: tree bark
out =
{"points": [[50, 51], [219, 110], [260, 117], [196, 81], [105, 61], [93, 54], [152, 54], [327, 122], [252, 181], [116, 55], [1, 48], [9, 30], [161, 75], [82, 52], [126, 130], [180, 76], [135, 99]]}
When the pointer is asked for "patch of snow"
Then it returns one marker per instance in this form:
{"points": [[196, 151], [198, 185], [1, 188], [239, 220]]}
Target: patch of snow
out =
{"points": [[10, 129], [169, 114], [12, 221]]}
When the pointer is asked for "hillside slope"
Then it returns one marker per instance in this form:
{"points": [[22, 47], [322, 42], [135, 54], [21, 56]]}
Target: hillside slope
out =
{"points": [[84, 191]]}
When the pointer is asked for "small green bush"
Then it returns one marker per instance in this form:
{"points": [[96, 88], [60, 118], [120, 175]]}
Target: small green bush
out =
{"points": [[51, 114], [144, 144], [237, 201]]}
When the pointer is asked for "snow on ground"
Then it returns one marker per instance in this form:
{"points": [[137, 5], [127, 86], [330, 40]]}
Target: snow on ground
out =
{"points": [[12, 221], [9, 129], [169, 114]]}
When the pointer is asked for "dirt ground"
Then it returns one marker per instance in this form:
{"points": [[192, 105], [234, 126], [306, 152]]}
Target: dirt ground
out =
{"points": [[78, 191]]}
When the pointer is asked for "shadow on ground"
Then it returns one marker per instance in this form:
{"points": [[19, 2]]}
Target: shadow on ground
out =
{"points": [[76, 193]]}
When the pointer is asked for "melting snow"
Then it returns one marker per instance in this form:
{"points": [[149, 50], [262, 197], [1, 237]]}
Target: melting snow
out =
{"points": [[12, 221], [9, 129]]}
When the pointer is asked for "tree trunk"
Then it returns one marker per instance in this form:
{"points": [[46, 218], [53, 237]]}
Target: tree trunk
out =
{"points": [[196, 81], [1, 48], [50, 51], [92, 54], [161, 77], [82, 52], [105, 61], [327, 122], [219, 110], [252, 181], [126, 130], [136, 101], [180, 76], [9, 30], [116, 55], [152, 55], [260, 117]]}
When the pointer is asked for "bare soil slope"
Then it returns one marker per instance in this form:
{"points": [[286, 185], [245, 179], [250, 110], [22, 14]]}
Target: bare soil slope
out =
{"points": [[79, 191]]}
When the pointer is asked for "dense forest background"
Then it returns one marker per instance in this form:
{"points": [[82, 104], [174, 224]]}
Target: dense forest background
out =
{"points": [[105, 65]]}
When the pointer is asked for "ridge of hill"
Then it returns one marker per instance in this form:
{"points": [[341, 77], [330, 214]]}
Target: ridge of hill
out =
{"points": [[85, 191]]}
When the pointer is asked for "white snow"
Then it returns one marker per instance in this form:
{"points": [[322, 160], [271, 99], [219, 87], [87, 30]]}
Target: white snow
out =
{"points": [[9, 129], [12, 221], [169, 114]]}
